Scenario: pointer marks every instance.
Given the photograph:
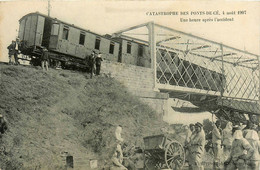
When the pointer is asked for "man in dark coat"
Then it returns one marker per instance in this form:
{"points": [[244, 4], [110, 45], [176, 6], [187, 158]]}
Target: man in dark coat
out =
{"points": [[98, 63], [91, 60], [45, 58], [11, 52]]}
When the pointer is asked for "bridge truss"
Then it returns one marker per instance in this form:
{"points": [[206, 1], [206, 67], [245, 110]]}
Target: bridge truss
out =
{"points": [[208, 74]]}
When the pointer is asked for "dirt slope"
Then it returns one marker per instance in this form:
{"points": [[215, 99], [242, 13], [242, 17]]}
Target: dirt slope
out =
{"points": [[63, 111]]}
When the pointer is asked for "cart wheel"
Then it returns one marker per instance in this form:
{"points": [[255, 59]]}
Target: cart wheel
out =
{"points": [[151, 163], [174, 155]]}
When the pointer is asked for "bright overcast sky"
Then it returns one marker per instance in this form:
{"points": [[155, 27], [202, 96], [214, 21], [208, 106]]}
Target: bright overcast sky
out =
{"points": [[110, 16]]}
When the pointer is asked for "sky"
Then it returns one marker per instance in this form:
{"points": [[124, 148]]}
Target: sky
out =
{"points": [[105, 17], [110, 16]]}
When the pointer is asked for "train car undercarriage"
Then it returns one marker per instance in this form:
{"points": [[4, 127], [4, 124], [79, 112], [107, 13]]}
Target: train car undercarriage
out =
{"points": [[56, 60]]}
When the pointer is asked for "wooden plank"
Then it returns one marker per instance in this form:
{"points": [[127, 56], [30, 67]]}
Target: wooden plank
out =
{"points": [[168, 87]]}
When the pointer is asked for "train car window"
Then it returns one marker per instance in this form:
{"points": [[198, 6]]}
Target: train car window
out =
{"points": [[111, 48], [97, 43], [65, 33], [128, 48], [82, 38], [55, 29], [140, 50]]}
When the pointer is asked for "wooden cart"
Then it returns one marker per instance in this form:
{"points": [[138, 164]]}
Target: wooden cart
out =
{"points": [[162, 152]]}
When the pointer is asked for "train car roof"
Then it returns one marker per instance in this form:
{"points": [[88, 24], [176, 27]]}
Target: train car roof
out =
{"points": [[71, 25]]}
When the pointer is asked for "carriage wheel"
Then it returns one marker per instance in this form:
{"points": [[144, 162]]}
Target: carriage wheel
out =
{"points": [[151, 163], [174, 155]]}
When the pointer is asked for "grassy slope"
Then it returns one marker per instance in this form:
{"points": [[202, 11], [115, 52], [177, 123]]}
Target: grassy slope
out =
{"points": [[61, 110]]}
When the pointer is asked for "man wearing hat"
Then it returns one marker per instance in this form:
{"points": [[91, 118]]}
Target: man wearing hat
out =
{"points": [[91, 62], [3, 125], [98, 63], [45, 58], [11, 53], [241, 152], [197, 147]]}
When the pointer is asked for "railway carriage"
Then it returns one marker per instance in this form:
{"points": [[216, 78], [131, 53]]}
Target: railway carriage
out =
{"points": [[135, 53], [67, 43]]}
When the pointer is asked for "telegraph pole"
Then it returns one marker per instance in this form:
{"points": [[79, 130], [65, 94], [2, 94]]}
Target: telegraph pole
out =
{"points": [[49, 8]]}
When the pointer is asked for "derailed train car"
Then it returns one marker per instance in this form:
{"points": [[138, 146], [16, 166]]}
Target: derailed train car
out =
{"points": [[68, 44]]}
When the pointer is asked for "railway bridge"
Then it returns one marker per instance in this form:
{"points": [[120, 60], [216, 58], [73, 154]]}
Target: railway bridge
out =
{"points": [[213, 76]]}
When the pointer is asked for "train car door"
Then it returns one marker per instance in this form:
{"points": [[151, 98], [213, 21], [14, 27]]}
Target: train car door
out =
{"points": [[39, 30], [46, 32], [54, 35]]}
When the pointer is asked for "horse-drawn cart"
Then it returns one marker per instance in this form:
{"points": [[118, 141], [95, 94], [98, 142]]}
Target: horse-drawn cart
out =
{"points": [[162, 152]]}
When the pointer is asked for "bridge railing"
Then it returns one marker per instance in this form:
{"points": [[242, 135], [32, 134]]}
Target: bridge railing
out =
{"points": [[193, 65]]}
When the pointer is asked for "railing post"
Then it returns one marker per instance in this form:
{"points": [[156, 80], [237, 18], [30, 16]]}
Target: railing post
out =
{"points": [[223, 74]]}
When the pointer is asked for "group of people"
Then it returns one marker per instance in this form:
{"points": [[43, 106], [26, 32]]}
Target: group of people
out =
{"points": [[122, 158], [117, 157], [94, 63], [245, 148], [13, 51], [241, 147]]}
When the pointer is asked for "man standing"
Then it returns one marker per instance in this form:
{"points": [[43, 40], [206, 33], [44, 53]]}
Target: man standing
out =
{"points": [[190, 135], [11, 53], [227, 139], [98, 63], [45, 58], [241, 151], [91, 61], [197, 147], [216, 142], [253, 139]]}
